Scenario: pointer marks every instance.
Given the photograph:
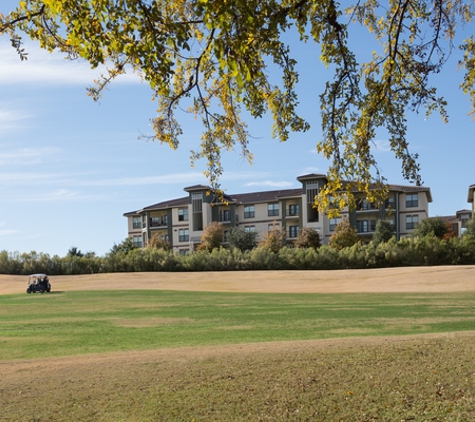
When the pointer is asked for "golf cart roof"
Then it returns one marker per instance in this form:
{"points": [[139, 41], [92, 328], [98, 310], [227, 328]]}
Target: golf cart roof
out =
{"points": [[37, 275]]}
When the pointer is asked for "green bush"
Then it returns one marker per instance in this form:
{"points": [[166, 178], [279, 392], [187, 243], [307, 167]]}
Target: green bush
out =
{"points": [[410, 251]]}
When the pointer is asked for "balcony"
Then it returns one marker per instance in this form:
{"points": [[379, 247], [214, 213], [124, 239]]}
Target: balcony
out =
{"points": [[224, 217], [364, 206], [156, 222], [293, 211]]}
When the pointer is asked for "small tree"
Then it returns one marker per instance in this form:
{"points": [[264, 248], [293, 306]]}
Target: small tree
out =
{"points": [[238, 238], [275, 240], [124, 247], [383, 232], [450, 232], [158, 242], [431, 225], [470, 227], [308, 238], [212, 237], [345, 236], [74, 251]]}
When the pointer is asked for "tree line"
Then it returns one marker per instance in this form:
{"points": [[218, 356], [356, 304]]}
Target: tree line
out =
{"points": [[432, 243]]}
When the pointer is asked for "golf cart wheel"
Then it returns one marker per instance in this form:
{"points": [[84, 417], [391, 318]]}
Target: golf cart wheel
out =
{"points": [[42, 291], [28, 290]]}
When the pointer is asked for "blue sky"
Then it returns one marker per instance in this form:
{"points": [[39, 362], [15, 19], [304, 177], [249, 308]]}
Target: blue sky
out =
{"points": [[70, 167]]}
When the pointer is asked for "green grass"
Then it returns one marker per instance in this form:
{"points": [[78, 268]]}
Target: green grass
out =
{"points": [[77, 322]]}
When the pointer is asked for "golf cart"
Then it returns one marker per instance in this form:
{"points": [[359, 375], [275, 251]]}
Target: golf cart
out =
{"points": [[38, 283]]}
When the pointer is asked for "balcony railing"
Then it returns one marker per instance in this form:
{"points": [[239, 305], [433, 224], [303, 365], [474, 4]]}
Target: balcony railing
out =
{"points": [[158, 224], [291, 212]]}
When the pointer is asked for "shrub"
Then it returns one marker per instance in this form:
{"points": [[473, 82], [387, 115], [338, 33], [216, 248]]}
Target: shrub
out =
{"points": [[275, 240], [436, 225], [308, 238], [345, 236], [212, 237], [383, 232], [242, 240]]}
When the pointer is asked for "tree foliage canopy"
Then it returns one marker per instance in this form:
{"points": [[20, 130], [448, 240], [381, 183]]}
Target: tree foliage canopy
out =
{"points": [[307, 238], [212, 237], [211, 57], [383, 232], [344, 236], [436, 225], [239, 238]]}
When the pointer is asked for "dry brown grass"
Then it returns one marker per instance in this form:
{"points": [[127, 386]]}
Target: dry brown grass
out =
{"points": [[368, 379], [384, 280]]}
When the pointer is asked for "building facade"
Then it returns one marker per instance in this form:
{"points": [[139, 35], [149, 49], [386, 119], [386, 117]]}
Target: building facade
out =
{"points": [[181, 221]]}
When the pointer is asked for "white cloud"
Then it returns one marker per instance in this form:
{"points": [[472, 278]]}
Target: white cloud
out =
{"points": [[90, 179], [48, 68], [8, 232], [58, 195], [10, 119], [175, 178], [31, 179], [27, 156]]}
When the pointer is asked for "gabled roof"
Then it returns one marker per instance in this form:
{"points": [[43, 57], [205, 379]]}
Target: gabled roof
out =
{"points": [[402, 188], [162, 205], [196, 187], [168, 204], [311, 176], [265, 196]]}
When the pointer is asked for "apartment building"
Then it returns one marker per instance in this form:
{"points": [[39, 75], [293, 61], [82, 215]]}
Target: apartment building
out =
{"points": [[181, 221]]}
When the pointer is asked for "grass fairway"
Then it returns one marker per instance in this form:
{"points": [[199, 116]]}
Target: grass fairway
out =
{"points": [[220, 347], [78, 322]]}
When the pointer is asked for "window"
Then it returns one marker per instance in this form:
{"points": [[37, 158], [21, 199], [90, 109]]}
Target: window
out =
{"points": [[183, 235], [411, 221], [412, 200], [365, 226], [334, 222], [249, 228], [293, 231], [249, 211], [294, 209], [272, 226], [365, 205], [272, 210], [224, 215], [197, 202], [138, 241], [137, 223], [183, 214], [389, 202], [312, 192]]}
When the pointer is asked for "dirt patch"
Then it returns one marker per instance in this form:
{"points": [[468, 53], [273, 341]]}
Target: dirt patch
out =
{"points": [[385, 280]]}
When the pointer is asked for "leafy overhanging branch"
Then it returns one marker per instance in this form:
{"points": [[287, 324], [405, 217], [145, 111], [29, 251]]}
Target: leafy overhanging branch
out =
{"points": [[211, 57]]}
